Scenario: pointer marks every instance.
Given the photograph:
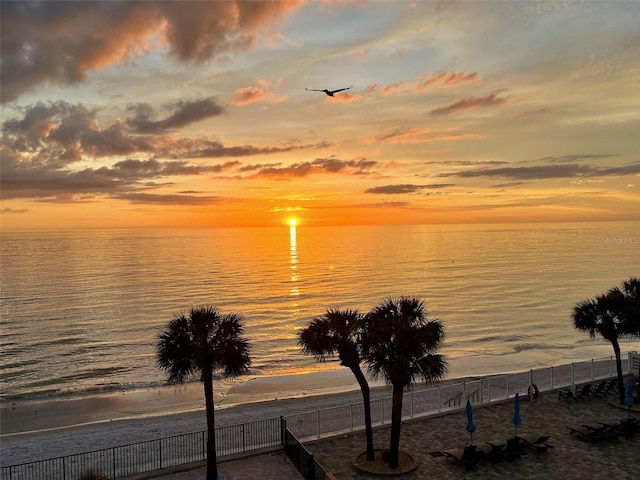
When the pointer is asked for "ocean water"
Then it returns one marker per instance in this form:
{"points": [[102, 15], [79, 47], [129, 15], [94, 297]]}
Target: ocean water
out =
{"points": [[81, 310]]}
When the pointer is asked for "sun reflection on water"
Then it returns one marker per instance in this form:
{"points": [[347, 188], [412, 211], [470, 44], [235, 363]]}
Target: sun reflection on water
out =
{"points": [[293, 258]]}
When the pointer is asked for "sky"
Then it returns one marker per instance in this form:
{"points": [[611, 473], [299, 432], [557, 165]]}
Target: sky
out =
{"points": [[196, 114]]}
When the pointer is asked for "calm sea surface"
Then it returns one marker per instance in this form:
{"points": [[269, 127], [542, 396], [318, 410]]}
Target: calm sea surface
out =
{"points": [[81, 310]]}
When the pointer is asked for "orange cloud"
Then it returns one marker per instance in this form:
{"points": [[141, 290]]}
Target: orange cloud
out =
{"points": [[391, 88], [341, 98], [448, 79], [256, 93]]}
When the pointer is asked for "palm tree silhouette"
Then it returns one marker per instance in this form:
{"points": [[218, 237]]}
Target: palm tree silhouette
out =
{"points": [[338, 331], [399, 343], [612, 315], [202, 342]]}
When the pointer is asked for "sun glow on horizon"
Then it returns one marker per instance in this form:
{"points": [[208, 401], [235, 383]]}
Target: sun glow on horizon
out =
{"points": [[293, 222]]}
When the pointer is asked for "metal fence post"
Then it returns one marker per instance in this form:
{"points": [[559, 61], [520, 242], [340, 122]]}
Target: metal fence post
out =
{"points": [[283, 426], [412, 392], [351, 415], [318, 421], [244, 444], [611, 365]]}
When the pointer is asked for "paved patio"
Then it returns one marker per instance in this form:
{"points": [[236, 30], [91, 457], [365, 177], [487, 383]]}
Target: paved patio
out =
{"points": [[570, 459]]}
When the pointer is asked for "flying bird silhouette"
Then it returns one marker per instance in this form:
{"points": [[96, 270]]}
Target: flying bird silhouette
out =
{"points": [[328, 92]]}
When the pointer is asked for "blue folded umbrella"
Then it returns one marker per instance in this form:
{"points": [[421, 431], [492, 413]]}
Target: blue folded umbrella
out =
{"points": [[516, 412], [470, 426]]}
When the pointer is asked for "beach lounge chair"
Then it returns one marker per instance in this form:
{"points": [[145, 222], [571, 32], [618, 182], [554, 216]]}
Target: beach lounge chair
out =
{"points": [[490, 452], [566, 394], [583, 433], [467, 456], [510, 451], [539, 442], [612, 385], [604, 430], [584, 391], [600, 388], [629, 427]]}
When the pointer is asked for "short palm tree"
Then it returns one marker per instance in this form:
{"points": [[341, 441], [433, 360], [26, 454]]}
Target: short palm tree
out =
{"points": [[627, 301], [201, 342], [338, 331], [611, 315], [399, 342]]}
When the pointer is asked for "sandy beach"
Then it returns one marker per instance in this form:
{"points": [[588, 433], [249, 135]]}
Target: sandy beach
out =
{"points": [[35, 415]]}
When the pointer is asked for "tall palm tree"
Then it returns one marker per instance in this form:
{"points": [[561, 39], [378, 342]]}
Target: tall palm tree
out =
{"points": [[399, 342], [628, 304], [611, 315], [338, 331], [201, 342]]}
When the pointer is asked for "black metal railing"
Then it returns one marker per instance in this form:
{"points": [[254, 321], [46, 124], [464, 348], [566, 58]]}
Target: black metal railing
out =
{"points": [[152, 455], [302, 458], [141, 457]]}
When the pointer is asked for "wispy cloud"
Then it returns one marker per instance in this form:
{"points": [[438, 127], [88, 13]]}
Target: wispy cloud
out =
{"points": [[447, 79], [318, 166], [406, 188], [168, 199], [203, 148], [12, 210], [541, 172], [184, 113], [421, 135], [577, 158], [470, 103]]}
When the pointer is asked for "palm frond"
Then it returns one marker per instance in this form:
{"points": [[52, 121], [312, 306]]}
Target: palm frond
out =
{"points": [[203, 339], [399, 341], [335, 332]]}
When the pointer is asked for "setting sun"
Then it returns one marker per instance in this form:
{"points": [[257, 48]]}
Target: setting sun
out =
{"points": [[293, 222]]}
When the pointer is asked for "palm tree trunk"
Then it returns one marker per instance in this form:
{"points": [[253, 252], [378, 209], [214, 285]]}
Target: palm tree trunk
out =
{"points": [[616, 350], [212, 467], [366, 400], [396, 423]]}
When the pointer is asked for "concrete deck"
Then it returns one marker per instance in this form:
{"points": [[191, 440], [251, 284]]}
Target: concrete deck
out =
{"points": [[571, 458]]}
